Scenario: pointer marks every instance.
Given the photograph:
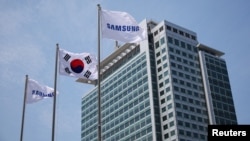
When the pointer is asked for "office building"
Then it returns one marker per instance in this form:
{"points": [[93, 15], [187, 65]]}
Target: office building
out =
{"points": [[169, 87]]}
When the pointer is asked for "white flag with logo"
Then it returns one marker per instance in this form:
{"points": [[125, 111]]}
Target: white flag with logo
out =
{"points": [[80, 65], [36, 92], [121, 26]]}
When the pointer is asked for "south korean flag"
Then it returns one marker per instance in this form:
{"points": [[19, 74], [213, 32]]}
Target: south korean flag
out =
{"points": [[80, 65]]}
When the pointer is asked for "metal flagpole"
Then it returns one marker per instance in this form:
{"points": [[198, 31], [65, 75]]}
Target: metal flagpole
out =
{"points": [[24, 104], [99, 79], [54, 103]]}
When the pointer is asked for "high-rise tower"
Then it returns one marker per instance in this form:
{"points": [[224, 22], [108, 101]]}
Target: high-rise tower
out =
{"points": [[169, 87]]}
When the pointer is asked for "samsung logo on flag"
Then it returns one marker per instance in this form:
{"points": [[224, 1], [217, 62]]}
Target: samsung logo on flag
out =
{"points": [[123, 27], [39, 93]]}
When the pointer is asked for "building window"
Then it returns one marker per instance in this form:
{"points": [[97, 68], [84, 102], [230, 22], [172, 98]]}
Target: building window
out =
{"points": [[163, 109], [169, 27], [175, 30], [187, 35], [181, 32], [163, 101], [188, 133], [162, 40], [172, 133], [195, 135], [165, 127], [160, 77], [171, 124], [167, 89], [187, 124], [185, 107], [202, 136], [186, 116], [173, 65], [161, 28], [177, 51], [183, 90], [158, 54], [166, 136], [163, 50], [176, 42], [159, 69], [182, 82], [183, 44], [165, 65], [166, 81], [194, 126], [168, 97], [193, 37], [183, 98], [170, 40], [164, 118], [166, 73], [170, 115], [157, 44], [179, 114], [162, 93], [181, 132], [171, 49], [177, 97], [175, 87], [156, 32], [170, 106], [178, 105], [178, 59], [189, 47], [159, 61]]}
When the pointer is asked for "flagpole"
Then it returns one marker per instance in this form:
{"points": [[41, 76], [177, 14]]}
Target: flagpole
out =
{"points": [[24, 104], [99, 79], [54, 102]]}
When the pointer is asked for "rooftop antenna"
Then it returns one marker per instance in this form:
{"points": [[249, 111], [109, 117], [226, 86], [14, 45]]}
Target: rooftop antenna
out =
{"points": [[116, 45]]}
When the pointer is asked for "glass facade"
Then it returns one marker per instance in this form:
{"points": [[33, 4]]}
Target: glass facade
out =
{"points": [[125, 103], [126, 113], [222, 99]]}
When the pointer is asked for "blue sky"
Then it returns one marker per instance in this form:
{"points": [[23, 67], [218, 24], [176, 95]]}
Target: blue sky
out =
{"points": [[30, 30]]}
